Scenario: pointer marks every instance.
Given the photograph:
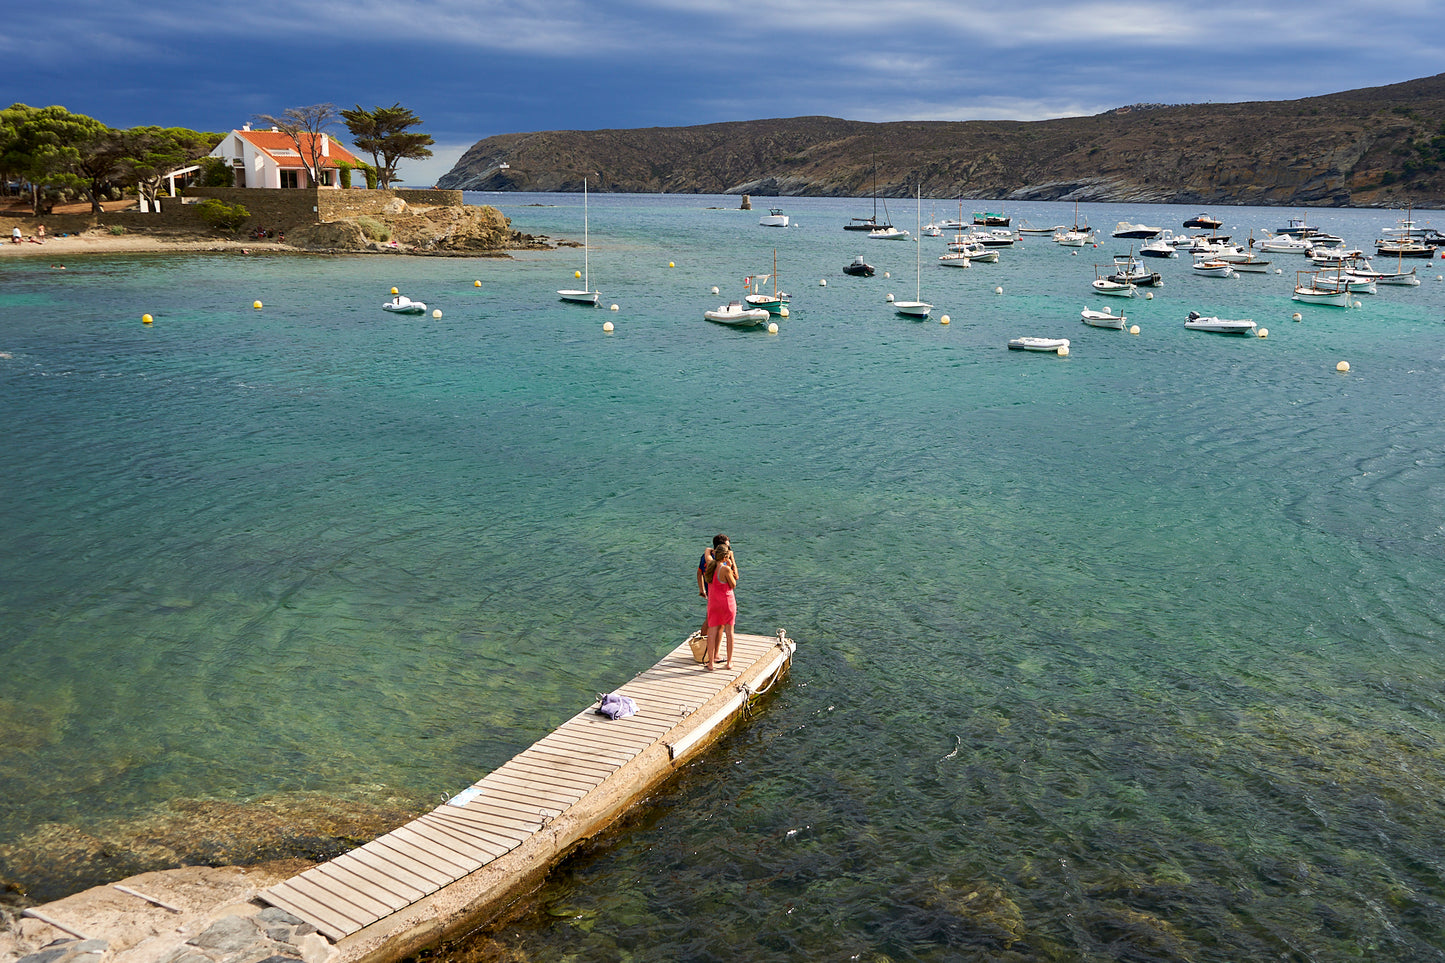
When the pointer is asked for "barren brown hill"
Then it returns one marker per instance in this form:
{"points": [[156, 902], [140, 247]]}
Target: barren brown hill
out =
{"points": [[1378, 146]]}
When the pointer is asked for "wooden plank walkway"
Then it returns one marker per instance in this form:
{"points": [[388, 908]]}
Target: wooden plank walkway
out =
{"points": [[508, 806]]}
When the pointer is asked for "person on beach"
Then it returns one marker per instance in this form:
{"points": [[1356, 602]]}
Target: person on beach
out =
{"points": [[722, 603], [15, 236]]}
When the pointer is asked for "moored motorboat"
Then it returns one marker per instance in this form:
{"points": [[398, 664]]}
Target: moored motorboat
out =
{"points": [[859, 268], [735, 314], [1244, 261], [1204, 221], [401, 304], [1126, 230], [1071, 238], [975, 251], [1284, 244], [1212, 268], [990, 219], [1159, 247], [889, 233], [1029, 343], [954, 259], [1130, 270], [1403, 248], [1103, 319], [774, 218], [1219, 325]]}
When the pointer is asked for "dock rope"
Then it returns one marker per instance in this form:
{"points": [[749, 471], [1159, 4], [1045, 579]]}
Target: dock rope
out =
{"points": [[751, 695]]}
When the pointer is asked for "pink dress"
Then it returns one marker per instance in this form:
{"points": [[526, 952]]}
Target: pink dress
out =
{"points": [[722, 604]]}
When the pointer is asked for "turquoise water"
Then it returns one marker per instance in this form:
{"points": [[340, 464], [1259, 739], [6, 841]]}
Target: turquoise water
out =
{"points": [[1132, 654]]}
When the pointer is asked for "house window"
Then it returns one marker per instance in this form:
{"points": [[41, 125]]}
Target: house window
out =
{"points": [[290, 178]]}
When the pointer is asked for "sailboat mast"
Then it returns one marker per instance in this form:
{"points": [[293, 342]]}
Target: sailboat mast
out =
{"points": [[918, 247], [586, 243]]}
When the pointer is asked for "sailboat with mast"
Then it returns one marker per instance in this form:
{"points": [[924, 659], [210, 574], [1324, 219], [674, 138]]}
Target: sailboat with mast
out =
{"points": [[586, 295], [775, 303], [917, 308], [871, 223]]}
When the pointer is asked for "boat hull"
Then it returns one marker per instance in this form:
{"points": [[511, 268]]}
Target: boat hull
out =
{"points": [[913, 309], [1103, 319], [580, 297], [1050, 345], [1115, 290]]}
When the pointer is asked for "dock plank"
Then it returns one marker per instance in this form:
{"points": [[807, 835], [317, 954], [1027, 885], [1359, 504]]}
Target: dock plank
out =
{"points": [[512, 803]]}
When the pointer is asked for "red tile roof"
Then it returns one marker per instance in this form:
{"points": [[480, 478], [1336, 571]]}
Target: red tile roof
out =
{"points": [[273, 142]]}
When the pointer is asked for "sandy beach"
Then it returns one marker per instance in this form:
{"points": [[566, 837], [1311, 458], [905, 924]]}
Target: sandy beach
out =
{"points": [[57, 249]]}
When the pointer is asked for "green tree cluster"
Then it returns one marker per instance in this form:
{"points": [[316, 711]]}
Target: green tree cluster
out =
{"points": [[385, 133], [57, 153]]}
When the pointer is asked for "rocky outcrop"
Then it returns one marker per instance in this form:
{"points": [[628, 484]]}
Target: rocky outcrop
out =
{"points": [[1376, 146], [401, 228]]}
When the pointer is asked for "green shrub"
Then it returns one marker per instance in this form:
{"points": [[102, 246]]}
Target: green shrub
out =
{"points": [[370, 174], [117, 229], [373, 229], [215, 172], [345, 169], [222, 216]]}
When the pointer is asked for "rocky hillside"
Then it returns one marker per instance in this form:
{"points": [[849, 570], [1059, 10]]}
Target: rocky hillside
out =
{"points": [[1380, 146]]}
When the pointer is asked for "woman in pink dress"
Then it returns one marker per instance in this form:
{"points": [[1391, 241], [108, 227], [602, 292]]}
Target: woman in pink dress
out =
{"points": [[722, 604]]}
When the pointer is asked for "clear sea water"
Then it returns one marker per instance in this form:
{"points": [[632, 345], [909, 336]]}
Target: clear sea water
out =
{"points": [[1129, 655]]}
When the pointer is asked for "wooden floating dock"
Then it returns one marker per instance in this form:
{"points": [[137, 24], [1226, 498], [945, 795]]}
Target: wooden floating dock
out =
{"points": [[453, 868]]}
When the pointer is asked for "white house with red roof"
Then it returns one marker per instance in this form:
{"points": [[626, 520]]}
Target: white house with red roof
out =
{"points": [[269, 158]]}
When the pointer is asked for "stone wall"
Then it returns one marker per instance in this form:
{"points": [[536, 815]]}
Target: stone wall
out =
{"points": [[292, 207]]}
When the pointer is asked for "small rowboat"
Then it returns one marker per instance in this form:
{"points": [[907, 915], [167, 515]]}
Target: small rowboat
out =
{"points": [[1055, 345], [1219, 325], [1103, 319], [1115, 289]]}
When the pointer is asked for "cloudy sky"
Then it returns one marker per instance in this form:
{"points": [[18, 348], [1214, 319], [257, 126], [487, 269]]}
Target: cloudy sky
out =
{"points": [[473, 68]]}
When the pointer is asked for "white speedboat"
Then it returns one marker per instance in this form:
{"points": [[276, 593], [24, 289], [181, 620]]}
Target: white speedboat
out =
{"points": [[1103, 319], [889, 233], [401, 304], [1159, 247], [1212, 268], [998, 237], [774, 218], [1219, 325], [735, 314], [1071, 238], [974, 251], [1115, 289], [586, 295], [1126, 230], [1284, 244], [954, 259], [1053, 345]]}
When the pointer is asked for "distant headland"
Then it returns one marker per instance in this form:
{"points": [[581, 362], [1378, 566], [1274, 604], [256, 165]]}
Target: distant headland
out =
{"points": [[1373, 147]]}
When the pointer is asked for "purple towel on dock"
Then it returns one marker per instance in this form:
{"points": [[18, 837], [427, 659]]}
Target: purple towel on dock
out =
{"points": [[616, 706]]}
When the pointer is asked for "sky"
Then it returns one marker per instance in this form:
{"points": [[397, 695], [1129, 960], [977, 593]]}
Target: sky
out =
{"points": [[474, 68]]}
